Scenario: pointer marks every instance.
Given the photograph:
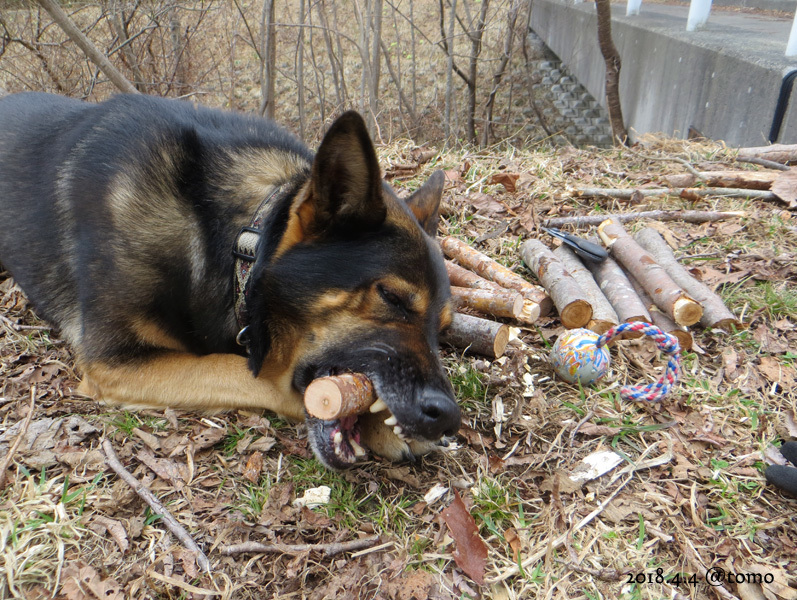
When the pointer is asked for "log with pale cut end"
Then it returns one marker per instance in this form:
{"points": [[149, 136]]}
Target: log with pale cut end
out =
{"points": [[499, 303], [604, 317], [480, 336], [487, 268], [570, 300], [339, 396], [614, 284], [662, 321], [461, 277], [670, 298], [715, 313]]}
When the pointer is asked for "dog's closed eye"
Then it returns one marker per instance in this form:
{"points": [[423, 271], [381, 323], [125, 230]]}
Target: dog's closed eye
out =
{"points": [[393, 300]]}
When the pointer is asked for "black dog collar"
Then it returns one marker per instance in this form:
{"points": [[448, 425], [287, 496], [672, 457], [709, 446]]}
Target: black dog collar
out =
{"points": [[245, 252]]}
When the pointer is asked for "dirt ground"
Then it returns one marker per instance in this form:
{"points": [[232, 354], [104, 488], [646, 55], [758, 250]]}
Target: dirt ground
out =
{"points": [[687, 500]]}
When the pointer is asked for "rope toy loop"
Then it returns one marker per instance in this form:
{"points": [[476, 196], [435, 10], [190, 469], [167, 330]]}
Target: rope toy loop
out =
{"points": [[657, 390]]}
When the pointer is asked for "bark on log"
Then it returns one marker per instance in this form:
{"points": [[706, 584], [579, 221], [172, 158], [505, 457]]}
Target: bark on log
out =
{"points": [[687, 216], [486, 267], [461, 277], [476, 335], [504, 303], [662, 321], [570, 300], [670, 298], [339, 396], [88, 48], [715, 313], [751, 180], [604, 317], [779, 153], [619, 291], [680, 192]]}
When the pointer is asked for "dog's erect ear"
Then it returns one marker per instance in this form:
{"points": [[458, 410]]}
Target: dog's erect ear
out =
{"points": [[425, 202], [346, 185]]}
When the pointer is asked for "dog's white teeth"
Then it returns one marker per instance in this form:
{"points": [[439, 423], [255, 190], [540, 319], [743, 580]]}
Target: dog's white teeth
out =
{"points": [[378, 406], [399, 433], [337, 439], [391, 421], [359, 451]]}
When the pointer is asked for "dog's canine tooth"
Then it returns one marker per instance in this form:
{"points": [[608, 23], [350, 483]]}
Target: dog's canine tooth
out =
{"points": [[378, 406], [337, 439], [391, 421], [359, 451]]}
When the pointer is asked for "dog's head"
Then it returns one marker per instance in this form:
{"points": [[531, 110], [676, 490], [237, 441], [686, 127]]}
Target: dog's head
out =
{"points": [[358, 284]]}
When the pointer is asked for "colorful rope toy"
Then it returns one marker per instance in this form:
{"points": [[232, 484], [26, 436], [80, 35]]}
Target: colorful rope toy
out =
{"points": [[580, 355]]}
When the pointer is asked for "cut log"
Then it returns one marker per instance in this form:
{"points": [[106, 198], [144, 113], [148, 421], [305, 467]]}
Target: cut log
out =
{"points": [[570, 300], [687, 216], [670, 298], [499, 303], [715, 313], [604, 317], [751, 180], [461, 277], [480, 336], [779, 153], [486, 267], [619, 291], [339, 396], [662, 321]]}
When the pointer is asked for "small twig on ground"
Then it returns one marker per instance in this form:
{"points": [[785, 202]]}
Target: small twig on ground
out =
{"points": [[579, 425], [762, 162], [18, 327], [625, 194], [602, 574], [20, 436], [687, 216], [697, 563], [687, 165], [326, 549], [157, 507]]}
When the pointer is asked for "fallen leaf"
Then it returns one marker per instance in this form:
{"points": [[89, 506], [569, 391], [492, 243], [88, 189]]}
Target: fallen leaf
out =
{"points": [[81, 579], [254, 466], [168, 470], [508, 180], [785, 187], [208, 437], [775, 372], [471, 552], [101, 524], [513, 539], [149, 439]]}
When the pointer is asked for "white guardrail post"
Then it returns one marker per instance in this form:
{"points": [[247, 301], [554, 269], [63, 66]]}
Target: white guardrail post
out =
{"points": [[791, 46], [632, 8], [698, 14]]}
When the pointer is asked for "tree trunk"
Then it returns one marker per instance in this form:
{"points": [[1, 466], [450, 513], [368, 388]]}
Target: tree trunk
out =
{"points": [[89, 49], [268, 66], [612, 59]]}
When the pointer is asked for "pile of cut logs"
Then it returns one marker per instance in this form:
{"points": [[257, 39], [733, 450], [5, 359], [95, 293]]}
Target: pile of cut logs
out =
{"points": [[640, 281]]}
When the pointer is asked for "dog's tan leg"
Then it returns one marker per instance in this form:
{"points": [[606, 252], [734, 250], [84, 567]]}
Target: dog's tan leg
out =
{"points": [[182, 380]]}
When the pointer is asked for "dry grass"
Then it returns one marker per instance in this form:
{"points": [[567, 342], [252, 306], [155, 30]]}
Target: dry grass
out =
{"points": [[688, 496]]}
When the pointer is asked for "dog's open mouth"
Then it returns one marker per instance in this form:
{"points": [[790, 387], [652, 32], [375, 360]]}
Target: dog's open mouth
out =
{"points": [[338, 443]]}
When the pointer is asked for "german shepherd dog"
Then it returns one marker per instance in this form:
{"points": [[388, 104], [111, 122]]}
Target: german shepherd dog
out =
{"points": [[207, 260]]}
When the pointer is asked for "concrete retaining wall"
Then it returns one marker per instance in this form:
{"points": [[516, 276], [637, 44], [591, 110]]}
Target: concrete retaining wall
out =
{"points": [[668, 84]]}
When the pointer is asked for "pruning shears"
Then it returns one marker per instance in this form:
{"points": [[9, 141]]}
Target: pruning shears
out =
{"points": [[586, 250]]}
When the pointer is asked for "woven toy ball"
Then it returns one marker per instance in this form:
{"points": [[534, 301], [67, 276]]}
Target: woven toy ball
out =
{"points": [[581, 355], [576, 357]]}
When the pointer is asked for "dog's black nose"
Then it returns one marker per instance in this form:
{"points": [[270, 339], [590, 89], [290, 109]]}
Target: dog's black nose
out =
{"points": [[439, 416]]}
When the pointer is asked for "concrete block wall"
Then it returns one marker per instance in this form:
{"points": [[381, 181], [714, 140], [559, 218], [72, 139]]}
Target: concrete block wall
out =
{"points": [[667, 84]]}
